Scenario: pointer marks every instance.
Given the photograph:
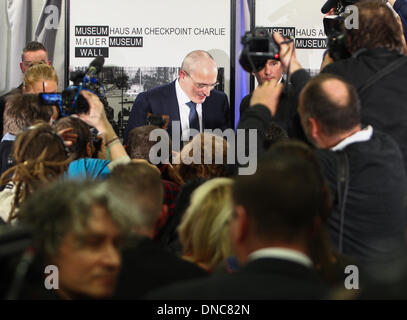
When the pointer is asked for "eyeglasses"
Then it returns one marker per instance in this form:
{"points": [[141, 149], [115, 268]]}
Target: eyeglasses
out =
{"points": [[201, 85]]}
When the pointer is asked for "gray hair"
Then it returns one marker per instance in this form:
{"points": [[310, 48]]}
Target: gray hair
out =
{"points": [[65, 207]]}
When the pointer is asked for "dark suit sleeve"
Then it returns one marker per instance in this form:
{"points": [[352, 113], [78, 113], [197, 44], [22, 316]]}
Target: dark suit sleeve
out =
{"points": [[298, 80], [138, 114], [226, 114], [257, 117], [245, 104]]}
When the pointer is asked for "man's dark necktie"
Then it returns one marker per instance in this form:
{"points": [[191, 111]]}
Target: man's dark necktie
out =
{"points": [[193, 116]]}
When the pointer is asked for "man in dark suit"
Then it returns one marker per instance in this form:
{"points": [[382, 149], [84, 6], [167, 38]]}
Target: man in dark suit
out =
{"points": [[145, 264], [271, 235], [190, 100]]}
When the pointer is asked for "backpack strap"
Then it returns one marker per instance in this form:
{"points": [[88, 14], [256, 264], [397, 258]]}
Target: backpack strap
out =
{"points": [[382, 73], [342, 191]]}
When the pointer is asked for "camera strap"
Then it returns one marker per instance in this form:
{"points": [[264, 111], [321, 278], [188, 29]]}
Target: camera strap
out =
{"points": [[342, 192], [382, 73]]}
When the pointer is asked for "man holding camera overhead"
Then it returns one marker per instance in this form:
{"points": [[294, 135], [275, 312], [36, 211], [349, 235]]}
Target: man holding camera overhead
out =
{"points": [[377, 68], [261, 56]]}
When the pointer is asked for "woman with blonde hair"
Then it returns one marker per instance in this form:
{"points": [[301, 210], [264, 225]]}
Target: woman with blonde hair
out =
{"points": [[40, 77], [204, 230]]}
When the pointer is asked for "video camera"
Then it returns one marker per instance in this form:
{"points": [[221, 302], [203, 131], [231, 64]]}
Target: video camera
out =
{"points": [[70, 101], [334, 27], [258, 47]]}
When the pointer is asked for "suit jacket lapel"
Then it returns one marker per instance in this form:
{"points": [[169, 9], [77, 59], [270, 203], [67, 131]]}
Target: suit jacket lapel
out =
{"points": [[170, 103], [205, 114]]}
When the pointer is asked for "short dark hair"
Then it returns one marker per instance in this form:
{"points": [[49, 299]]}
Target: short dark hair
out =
{"points": [[333, 116], [274, 134], [378, 28], [22, 110], [282, 199], [80, 128], [298, 149], [139, 143], [33, 46], [142, 183]]}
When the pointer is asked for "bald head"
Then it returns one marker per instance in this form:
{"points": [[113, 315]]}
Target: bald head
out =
{"points": [[197, 60], [332, 102], [198, 75]]}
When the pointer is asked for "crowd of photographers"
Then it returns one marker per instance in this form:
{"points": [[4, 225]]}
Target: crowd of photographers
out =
{"points": [[83, 216]]}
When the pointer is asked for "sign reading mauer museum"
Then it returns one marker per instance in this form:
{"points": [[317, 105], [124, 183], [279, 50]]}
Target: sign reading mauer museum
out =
{"points": [[94, 41]]}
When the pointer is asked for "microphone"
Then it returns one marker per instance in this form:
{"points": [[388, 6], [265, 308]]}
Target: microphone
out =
{"points": [[95, 66], [329, 5]]}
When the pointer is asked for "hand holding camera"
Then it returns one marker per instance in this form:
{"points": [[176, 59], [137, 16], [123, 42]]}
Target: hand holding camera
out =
{"points": [[268, 94], [288, 57]]}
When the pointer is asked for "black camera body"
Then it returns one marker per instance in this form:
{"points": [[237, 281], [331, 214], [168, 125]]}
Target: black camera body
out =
{"points": [[334, 27], [70, 101], [258, 47]]}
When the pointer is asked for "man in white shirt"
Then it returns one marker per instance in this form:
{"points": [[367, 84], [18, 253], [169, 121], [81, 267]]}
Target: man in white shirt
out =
{"points": [[368, 222], [364, 167], [190, 102]]}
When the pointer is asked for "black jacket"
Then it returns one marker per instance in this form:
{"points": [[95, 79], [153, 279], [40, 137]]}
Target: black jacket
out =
{"points": [[384, 105], [375, 210], [286, 115], [374, 221], [261, 279], [3, 98], [146, 266]]}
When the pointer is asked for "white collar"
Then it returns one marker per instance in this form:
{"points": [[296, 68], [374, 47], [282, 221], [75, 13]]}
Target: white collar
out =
{"points": [[359, 136], [181, 95], [282, 253], [9, 137]]}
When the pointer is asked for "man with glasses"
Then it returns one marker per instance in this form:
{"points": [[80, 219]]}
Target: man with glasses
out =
{"points": [[190, 101], [34, 51]]}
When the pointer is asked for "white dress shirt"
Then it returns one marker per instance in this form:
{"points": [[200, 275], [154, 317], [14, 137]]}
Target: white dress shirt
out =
{"points": [[184, 111], [282, 253], [360, 136]]}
